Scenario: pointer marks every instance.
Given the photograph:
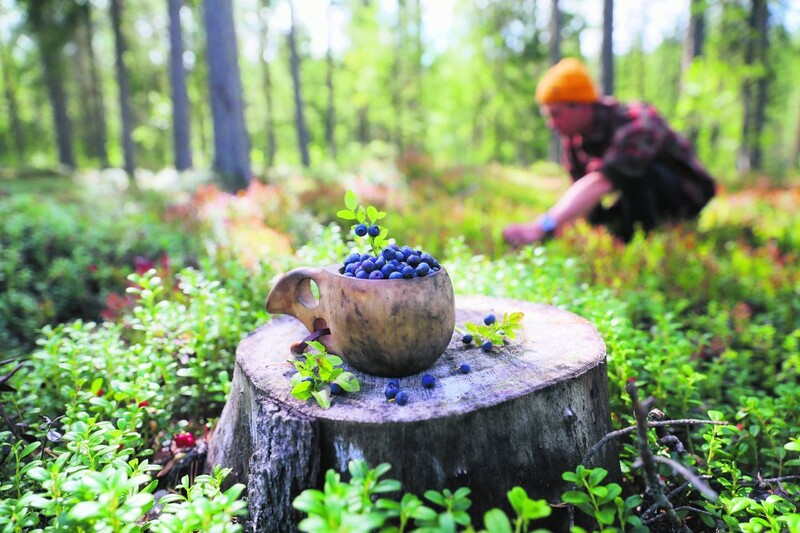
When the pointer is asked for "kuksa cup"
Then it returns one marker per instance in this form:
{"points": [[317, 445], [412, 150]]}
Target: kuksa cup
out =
{"points": [[386, 327]]}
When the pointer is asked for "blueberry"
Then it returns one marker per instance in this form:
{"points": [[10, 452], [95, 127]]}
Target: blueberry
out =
{"points": [[399, 255], [387, 270], [407, 250], [390, 391], [394, 246], [422, 270], [336, 389], [351, 268], [413, 260], [428, 381], [487, 346], [401, 398], [361, 230], [374, 231], [408, 272], [394, 382], [467, 338], [364, 257], [361, 274], [427, 258], [388, 253], [349, 275], [489, 319], [375, 274], [352, 258], [395, 275], [368, 266], [464, 369]]}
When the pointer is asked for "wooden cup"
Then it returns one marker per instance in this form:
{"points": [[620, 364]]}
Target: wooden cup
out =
{"points": [[383, 327]]}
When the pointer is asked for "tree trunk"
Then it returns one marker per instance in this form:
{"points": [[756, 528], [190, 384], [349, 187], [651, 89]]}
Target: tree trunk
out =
{"points": [[607, 54], [54, 81], [12, 105], [123, 87], [330, 115], [555, 57], [181, 131], [269, 120], [100, 132], [523, 415], [299, 104], [231, 143], [696, 34], [754, 88]]}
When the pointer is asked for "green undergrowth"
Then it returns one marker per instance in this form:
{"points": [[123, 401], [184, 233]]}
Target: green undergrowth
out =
{"points": [[704, 319]]}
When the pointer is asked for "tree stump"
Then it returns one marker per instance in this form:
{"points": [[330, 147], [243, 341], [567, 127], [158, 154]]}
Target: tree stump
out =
{"points": [[523, 415]]}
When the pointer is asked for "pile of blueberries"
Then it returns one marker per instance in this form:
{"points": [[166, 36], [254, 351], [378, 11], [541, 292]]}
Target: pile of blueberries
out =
{"points": [[393, 262]]}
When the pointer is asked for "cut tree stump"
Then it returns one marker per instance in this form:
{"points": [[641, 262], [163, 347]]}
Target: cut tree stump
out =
{"points": [[525, 413]]}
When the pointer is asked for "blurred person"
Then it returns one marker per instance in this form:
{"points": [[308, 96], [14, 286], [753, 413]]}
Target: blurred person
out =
{"points": [[625, 155]]}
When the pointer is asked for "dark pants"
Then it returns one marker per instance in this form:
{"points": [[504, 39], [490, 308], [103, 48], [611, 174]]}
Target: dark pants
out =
{"points": [[657, 198]]}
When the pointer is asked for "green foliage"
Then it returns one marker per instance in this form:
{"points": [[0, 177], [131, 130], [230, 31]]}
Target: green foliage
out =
{"points": [[497, 331], [603, 503], [317, 373], [364, 215], [365, 503], [60, 262]]}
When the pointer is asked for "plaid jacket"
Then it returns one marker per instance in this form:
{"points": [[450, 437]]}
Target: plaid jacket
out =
{"points": [[624, 141]]}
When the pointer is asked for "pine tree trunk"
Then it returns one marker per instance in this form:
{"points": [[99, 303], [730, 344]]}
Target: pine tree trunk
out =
{"points": [[555, 57], [269, 120], [181, 130], [608, 47], [754, 89], [299, 104], [330, 115], [231, 142], [100, 132], [123, 87], [54, 81]]}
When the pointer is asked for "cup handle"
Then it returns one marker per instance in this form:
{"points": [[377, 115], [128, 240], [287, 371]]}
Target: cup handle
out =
{"points": [[291, 295]]}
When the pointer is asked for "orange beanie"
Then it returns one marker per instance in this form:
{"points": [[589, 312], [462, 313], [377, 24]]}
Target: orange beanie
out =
{"points": [[566, 81]]}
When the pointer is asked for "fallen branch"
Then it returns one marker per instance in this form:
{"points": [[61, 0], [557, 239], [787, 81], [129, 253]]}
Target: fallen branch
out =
{"points": [[651, 424], [648, 462]]}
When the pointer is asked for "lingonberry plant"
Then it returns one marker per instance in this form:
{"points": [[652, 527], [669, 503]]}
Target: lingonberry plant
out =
{"points": [[318, 373]]}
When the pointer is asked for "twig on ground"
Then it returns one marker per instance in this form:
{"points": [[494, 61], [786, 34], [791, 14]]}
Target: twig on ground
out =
{"points": [[690, 476], [647, 459], [651, 424]]}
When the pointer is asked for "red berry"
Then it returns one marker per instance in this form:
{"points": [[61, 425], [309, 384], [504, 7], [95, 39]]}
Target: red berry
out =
{"points": [[143, 403], [99, 392], [184, 440]]}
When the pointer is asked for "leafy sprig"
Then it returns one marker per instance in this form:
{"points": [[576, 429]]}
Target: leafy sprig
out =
{"points": [[498, 331], [369, 216], [317, 373]]}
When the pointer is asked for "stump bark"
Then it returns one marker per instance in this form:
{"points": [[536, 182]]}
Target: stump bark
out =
{"points": [[523, 415]]}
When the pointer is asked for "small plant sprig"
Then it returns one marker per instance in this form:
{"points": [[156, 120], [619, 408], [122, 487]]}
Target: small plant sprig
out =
{"points": [[365, 221], [492, 333], [318, 376]]}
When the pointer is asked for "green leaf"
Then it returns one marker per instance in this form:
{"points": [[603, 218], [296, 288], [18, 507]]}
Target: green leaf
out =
{"points": [[575, 497], [346, 214], [361, 214], [372, 213], [435, 497], [29, 449], [97, 384], [496, 521], [348, 382], [350, 200], [38, 474], [323, 397], [85, 510]]}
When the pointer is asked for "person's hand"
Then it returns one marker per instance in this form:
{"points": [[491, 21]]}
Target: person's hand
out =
{"points": [[521, 234]]}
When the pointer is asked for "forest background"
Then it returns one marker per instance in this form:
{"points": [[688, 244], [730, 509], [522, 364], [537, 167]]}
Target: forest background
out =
{"points": [[134, 85]]}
